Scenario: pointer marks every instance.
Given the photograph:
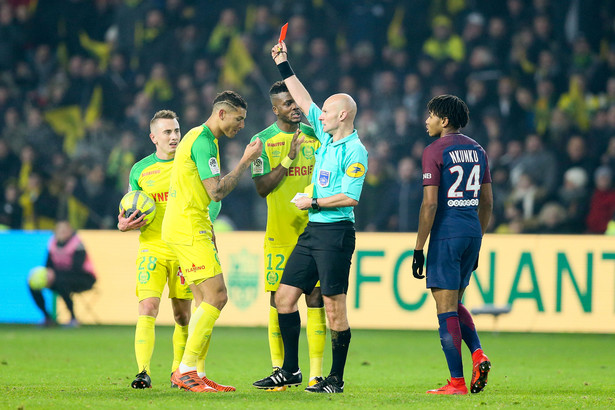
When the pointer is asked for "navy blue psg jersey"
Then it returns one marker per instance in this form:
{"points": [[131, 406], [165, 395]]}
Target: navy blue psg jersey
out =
{"points": [[458, 165]]}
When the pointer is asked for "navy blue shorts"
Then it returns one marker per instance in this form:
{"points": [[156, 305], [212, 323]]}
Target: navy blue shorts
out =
{"points": [[323, 252], [450, 262]]}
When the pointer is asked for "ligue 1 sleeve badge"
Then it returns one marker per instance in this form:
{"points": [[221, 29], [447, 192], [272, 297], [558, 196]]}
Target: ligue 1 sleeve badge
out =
{"points": [[323, 178]]}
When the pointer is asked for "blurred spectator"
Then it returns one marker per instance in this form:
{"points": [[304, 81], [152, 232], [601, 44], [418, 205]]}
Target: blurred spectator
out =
{"points": [[473, 33], [121, 160], [98, 201], [510, 113], [573, 196], [576, 155], [10, 210], [377, 183], [399, 212], [538, 163], [9, 164], [577, 103], [527, 196], [38, 205], [602, 204], [443, 43], [498, 41], [157, 44], [602, 70], [551, 220], [239, 204]]}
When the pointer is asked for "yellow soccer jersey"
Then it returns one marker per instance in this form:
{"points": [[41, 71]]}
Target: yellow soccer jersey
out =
{"points": [[152, 175], [285, 222], [187, 216]]}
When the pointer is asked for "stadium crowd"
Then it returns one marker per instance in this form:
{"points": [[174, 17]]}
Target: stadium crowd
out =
{"points": [[80, 80]]}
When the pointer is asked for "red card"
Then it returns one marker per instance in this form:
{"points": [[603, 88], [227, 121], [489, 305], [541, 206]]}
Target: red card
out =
{"points": [[283, 33]]}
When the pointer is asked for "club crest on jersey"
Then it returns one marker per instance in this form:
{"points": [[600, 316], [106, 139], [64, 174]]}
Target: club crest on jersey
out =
{"points": [[213, 166], [324, 178], [355, 170], [257, 166], [307, 151]]}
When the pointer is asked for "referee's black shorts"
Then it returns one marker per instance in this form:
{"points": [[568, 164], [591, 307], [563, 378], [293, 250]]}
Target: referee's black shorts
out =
{"points": [[323, 252]]}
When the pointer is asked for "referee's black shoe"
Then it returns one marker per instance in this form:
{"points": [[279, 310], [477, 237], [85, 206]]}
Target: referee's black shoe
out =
{"points": [[332, 384], [279, 378]]}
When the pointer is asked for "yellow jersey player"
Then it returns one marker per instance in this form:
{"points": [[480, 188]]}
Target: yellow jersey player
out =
{"points": [[156, 264], [283, 170], [187, 228]]}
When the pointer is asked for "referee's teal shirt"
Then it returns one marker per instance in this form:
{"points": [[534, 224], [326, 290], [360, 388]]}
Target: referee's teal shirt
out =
{"points": [[340, 168]]}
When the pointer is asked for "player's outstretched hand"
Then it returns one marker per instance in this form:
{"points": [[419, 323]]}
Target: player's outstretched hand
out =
{"points": [[132, 222], [475, 265], [279, 53], [253, 150], [418, 260], [295, 143]]}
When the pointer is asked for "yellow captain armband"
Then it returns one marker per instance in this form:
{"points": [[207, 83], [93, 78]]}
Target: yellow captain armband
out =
{"points": [[286, 162]]}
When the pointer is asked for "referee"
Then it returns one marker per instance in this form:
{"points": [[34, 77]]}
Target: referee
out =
{"points": [[324, 249]]}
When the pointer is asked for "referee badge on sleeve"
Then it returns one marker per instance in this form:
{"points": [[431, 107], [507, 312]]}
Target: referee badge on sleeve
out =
{"points": [[324, 178], [355, 170]]}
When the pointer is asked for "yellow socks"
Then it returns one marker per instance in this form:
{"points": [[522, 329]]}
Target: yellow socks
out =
{"points": [[276, 347], [180, 335], [316, 334], [200, 328], [145, 337]]}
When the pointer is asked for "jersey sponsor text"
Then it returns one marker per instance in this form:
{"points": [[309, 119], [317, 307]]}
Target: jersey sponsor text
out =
{"points": [[299, 171]]}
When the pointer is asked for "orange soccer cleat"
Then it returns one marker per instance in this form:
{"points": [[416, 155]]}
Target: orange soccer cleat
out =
{"points": [[456, 385], [216, 386], [480, 371], [191, 381]]}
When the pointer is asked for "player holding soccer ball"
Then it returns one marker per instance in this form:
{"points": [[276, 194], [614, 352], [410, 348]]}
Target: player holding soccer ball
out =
{"points": [[283, 170], [456, 208], [156, 263]]}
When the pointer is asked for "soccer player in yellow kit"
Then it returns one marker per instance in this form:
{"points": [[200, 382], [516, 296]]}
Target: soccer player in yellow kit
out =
{"points": [[187, 228], [283, 170], [156, 263]]}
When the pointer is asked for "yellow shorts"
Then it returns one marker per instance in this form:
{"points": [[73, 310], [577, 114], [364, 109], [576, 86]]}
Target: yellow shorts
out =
{"points": [[198, 261], [154, 273], [275, 261]]}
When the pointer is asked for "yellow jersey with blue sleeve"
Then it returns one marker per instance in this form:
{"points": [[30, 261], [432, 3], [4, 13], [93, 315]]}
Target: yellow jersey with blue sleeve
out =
{"points": [[152, 175], [285, 222], [187, 217]]}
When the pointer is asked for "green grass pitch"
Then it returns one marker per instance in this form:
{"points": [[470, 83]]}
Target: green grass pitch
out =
{"points": [[92, 367]]}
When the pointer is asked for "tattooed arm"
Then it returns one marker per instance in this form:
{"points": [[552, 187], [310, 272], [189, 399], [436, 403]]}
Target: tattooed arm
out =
{"points": [[218, 188]]}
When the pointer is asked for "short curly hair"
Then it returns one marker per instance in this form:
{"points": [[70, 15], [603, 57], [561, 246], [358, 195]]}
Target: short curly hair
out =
{"points": [[451, 107]]}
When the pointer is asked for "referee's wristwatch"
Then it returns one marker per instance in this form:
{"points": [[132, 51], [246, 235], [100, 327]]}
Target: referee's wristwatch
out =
{"points": [[315, 205]]}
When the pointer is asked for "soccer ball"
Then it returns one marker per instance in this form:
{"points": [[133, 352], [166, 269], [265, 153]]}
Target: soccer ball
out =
{"points": [[38, 278], [139, 202]]}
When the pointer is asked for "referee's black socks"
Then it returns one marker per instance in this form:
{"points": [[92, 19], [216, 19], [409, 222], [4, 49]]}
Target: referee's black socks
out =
{"points": [[290, 328], [339, 343]]}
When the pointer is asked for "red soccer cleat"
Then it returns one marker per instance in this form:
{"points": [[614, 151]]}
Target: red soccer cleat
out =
{"points": [[480, 371], [457, 385], [191, 381]]}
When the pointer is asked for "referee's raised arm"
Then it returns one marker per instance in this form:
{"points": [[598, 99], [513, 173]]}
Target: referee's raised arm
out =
{"points": [[302, 97]]}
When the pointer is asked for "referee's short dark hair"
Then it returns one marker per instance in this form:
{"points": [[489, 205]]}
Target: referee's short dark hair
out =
{"points": [[451, 107], [230, 98]]}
